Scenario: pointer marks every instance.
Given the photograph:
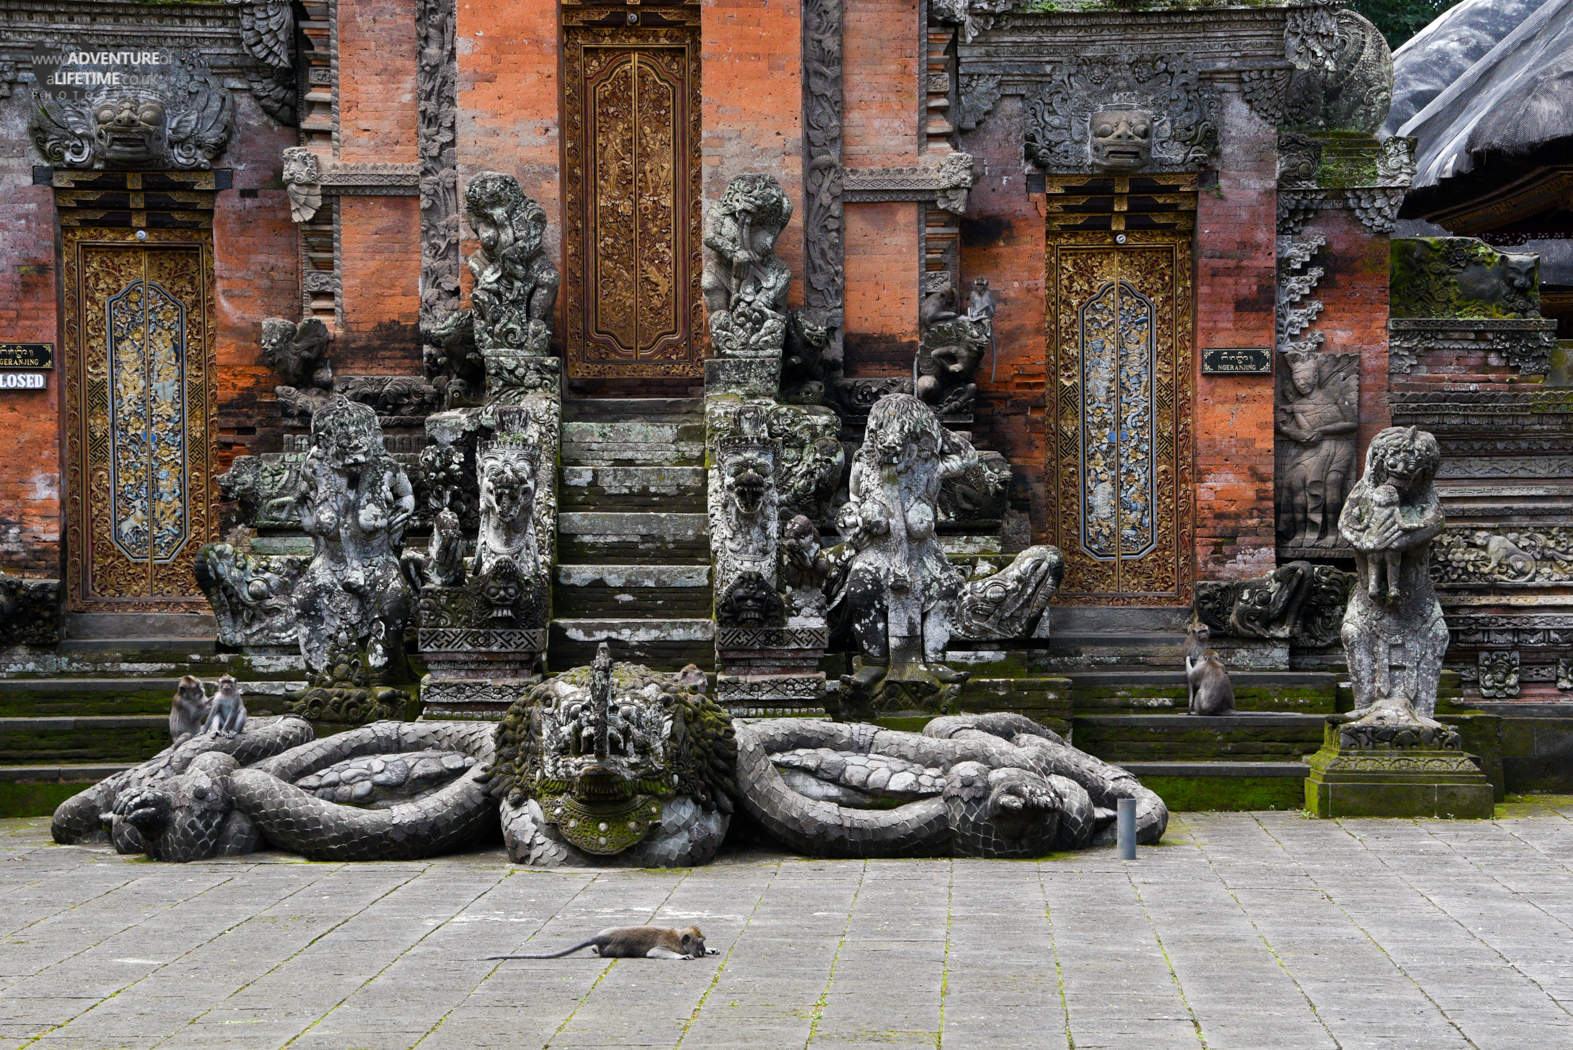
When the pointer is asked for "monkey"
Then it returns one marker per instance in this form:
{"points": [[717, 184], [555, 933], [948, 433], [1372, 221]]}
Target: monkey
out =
{"points": [[227, 716], [636, 942], [189, 710], [1207, 686]]}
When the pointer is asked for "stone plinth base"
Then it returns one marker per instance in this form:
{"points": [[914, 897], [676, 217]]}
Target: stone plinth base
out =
{"points": [[1394, 782], [473, 698], [478, 672], [772, 695]]}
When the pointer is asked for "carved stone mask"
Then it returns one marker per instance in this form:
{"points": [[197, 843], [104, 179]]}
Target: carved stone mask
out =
{"points": [[747, 482], [1302, 373], [130, 129], [1121, 138]]}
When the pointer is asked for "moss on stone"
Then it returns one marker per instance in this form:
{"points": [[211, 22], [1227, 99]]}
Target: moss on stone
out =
{"points": [[1227, 794]]}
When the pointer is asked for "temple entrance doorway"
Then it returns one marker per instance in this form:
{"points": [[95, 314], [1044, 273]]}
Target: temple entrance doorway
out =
{"points": [[139, 417], [632, 199], [1120, 321]]}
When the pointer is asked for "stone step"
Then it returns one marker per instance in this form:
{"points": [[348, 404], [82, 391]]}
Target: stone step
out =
{"points": [[624, 488], [589, 537], [1224, 785], [34, 790], [91, 659], [78, 697], [591, 409], [1132, 690], [1078, 650], [653, 591], [78, 739], [666, 644], [634, 441], [1247, 737]]}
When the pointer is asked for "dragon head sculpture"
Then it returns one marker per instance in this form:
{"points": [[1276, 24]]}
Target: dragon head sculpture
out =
{"points": [[615, 763]]}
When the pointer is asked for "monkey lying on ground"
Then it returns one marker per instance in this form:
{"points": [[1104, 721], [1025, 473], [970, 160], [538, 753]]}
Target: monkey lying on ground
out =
{"points": [[227, 716], [189, 710], [636, 942], [1206, 681]]}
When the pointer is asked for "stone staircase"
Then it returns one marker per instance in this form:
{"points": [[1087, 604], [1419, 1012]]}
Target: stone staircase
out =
{"points": [[633, 538], [72, 717]]}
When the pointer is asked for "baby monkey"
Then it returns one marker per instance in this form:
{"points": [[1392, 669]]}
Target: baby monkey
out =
{"points": [[1207, 684], [636, 942], [227, 716]]}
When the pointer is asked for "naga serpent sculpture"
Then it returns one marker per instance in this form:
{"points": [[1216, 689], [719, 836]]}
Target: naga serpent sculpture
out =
{"points": [[615, 764], [418, 788]]}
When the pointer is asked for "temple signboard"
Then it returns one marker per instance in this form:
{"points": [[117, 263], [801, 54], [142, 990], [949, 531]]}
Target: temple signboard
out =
{"points": [[31, 357]]}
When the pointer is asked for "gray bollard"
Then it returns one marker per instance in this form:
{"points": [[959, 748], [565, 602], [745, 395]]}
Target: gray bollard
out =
{"points": [[1125, 827]]}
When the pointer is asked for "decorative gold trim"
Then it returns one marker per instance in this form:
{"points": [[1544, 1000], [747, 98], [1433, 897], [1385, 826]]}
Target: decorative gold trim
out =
{"points": [[100, 575], [1142, 551]]}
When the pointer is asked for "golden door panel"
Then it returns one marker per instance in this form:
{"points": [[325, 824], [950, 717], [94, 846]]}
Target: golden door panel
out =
{"points": [[1119, 361], [631, 202], [140, 405]]}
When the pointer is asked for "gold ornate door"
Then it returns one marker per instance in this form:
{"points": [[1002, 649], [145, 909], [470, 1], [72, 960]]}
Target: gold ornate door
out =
{"points": [[632, 194], [140, 407], [1120, 387]]}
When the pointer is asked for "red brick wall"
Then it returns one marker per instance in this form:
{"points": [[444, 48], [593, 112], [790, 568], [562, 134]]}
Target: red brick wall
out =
{"points": [[881, 89], [256, 275], [882, 249], [380, 253], [377, 59], [1354, 295], [1235, 284], [30, 463], [752, 119], [1002, 239]]}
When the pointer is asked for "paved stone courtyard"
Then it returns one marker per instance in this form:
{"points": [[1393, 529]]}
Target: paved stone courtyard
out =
{"points": [[1245, 931]]}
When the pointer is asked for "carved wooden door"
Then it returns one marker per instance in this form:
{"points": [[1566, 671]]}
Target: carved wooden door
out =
{"points": [[1120, 387], [632, 195], [139, 417]]}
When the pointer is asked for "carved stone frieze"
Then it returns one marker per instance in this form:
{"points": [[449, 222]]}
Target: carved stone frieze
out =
{"points": [[976, 95], [1264, 90], [1298, 309], [1524, 344], [944, 184], [172, 114], [437, 116], [1564, 673], [267, 30], [1499, 674], [1524, 556], [1113, 112], [823, 213]]}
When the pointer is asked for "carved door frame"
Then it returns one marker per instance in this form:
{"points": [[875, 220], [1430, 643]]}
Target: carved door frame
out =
{"points": [[1160, 287], [97, 564], [588, 350]]}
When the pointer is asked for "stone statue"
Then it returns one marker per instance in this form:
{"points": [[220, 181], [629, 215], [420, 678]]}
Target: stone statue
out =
{"points": [[744, 510], [302, 183], [1343, 75], [354, 501], [744, 284], [508, 572], [948, 359], [299, 354], [1393, 632], [1317, 422], [1297, 602], [515, 283], [898, 598]]}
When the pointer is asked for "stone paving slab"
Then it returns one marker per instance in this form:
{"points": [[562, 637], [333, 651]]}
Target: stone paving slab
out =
{"points": [[1242, 932]]}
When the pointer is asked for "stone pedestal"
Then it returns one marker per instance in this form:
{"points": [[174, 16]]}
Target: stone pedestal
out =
{"points": [[768, 672], [1356, 775], [475, 671]]}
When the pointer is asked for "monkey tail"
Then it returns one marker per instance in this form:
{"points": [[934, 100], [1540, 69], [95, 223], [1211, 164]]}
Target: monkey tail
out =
{"points": [[553, 955]]}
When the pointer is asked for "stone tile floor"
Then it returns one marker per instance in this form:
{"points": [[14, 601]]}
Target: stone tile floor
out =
{"points": [[1246, 931]]}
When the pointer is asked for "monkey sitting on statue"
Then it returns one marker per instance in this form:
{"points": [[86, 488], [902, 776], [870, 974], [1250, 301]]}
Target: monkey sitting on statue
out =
{"points": [[189, 710], [227, 716], [1207, 686]]}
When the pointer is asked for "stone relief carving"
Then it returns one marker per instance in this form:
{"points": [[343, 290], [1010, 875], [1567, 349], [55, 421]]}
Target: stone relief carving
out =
{"points": [[823, 249], [744, 284], [745, 517], [1343, 71], [437, 118], [946, 183], [1111, 113], [1264, 90], [1298, 602], [977, 93], [354, 501], [182, 117], [302, 183], [972, 16], [1297, 279], [299, 354], [1462, 277], [809, 460], [267, 30], [1536, 556], [1499, 674], [1524, 344], [1317, 422], [510, 576], [1393, 632]]}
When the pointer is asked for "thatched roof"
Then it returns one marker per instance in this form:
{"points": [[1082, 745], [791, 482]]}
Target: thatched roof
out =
{"points": [[1514, 101], [1440, 53]]}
